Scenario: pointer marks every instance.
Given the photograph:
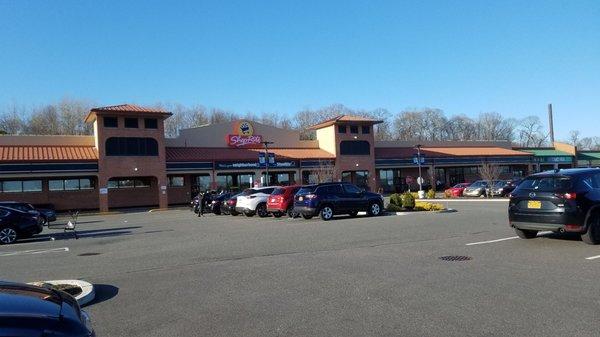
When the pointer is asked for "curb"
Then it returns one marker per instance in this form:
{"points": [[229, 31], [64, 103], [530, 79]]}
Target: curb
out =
{"points": [[87, 289]]}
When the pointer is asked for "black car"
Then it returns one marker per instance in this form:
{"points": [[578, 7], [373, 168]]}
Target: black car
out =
{"points": [[217, 201], [228, 206], [329, 199], [16, 224], [502, 188], [46, 215], [560, 201], [27, 310]]}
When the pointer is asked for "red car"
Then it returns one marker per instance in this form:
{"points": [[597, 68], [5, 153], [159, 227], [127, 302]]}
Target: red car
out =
{"points": [[281, 201], [457, 190]]}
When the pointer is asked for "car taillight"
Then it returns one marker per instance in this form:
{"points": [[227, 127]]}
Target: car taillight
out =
{"points": [[230, 202], [570, 196]]}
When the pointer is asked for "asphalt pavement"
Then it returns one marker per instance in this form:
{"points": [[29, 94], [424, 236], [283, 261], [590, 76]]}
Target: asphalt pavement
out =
{"points": [[173, 274]]}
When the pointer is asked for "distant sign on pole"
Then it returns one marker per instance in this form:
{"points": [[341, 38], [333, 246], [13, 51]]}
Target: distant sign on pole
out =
{"points": [[416, 160], [261, 158], [420, 180], [271, 159]]}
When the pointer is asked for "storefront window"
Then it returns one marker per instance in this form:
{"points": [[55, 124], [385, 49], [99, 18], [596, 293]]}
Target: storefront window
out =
{"points": [[245, 181], [12, 186], [224, 181], [386, 180], [70, 184], [203, 182], [176, 181]]}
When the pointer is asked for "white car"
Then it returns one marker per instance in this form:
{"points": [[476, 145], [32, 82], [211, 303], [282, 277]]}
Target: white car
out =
{"points": [[254, 201]]}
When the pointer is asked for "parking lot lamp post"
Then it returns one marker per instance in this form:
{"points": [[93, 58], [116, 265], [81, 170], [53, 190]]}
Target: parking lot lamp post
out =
{"points": [[266, 144], [419, 180]]}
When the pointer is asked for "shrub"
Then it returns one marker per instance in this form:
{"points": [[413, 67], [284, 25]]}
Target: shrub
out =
{"points": [[447, 194], [428, 206], [431, 194], [396, 199], [394, 208], [415, 195], [408, 200]]}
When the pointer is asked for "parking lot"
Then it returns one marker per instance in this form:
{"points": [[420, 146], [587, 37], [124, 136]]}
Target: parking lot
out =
{"points": [[170, 273]]}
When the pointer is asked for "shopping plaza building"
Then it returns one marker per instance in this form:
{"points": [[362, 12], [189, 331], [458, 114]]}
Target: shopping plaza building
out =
{"points": [[128, 162]]}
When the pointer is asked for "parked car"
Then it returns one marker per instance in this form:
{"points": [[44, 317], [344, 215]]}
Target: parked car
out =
{"points": [[329, 199], [16, 224], [46, 215], [27, 310], [456, 190], [476, 189], [228, 207], [560, 201], [217, 201], [254, 201], [502, 188], [281, 201]]}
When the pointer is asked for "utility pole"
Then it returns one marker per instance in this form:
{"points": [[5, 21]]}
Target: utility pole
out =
{"points": [[551, 123], [266, 144]]}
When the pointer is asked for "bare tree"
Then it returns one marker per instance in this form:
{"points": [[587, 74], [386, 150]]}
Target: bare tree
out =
{"points": [[489, 173], [44, 121], [530, 132], [574, 137], [11, 119], [586, 143], [72, 116], [325, 172], [492, 126]]}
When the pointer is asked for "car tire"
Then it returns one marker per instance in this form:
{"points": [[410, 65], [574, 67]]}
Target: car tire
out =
{"points": [[261, 210], [592, 235], [526, 234], [307, 216], [277, 214], [291, 213], [326, 213], [234, 213], [249, 214], [8, 235], [43, 221], [353, 214], [374, 209]]}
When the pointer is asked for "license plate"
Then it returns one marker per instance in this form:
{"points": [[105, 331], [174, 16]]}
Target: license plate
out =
{"points": [[534, 204], [300, 198]]}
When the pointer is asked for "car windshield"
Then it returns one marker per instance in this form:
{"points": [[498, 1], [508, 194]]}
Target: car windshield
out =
{"points": [[500, 183], [546, 184], [248, 191], [460, 185], [478, 184], [307, 189]]}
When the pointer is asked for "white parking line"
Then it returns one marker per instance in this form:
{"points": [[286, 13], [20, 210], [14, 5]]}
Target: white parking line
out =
{"points": [[593, 257], [491, 241], [35, 251], [504, 239]]}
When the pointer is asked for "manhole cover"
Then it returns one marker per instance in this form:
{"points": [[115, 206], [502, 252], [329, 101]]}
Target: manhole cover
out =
{"points": [[89, 254], [455, 258]]}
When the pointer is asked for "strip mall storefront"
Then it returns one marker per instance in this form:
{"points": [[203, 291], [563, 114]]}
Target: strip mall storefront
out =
{"points": [[128, 162]]}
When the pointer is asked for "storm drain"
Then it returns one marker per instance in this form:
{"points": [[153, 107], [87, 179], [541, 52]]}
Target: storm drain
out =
{"points": [[455, 258], [89, 254]]}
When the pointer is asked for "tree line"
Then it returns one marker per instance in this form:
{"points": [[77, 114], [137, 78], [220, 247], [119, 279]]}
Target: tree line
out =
{"points": [[66, 117]]}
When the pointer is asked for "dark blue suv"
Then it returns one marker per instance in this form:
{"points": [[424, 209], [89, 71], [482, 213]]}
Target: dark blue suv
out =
{"points": [[329, 199]]}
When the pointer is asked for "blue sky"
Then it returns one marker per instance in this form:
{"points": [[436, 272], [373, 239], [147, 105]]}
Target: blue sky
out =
{"points": [[467, 57]]}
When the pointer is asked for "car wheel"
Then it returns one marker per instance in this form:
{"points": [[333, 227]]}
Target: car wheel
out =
{"points": [[326, 213], [249, 214], [234, 213], [592, 235], [353, 213], [307, 216], [526, 234], [374, 209], [261, 210], [43, 221], [8, 235], [277, 214]]}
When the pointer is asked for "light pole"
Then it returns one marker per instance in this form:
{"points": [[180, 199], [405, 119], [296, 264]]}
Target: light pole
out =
{"points": [[419, 180], [266, 144]]}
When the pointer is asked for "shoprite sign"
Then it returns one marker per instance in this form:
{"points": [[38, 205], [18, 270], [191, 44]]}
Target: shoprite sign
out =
{"points": [[243, 136]]}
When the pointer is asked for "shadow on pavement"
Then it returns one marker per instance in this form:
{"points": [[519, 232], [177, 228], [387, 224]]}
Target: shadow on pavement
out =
{"points": [[91, 233], [104, 292], [562, 236]]}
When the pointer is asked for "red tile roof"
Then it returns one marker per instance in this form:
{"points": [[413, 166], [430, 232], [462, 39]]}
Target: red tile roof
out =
{"points": [[407, 152], [51, 153], [175, 154], [345, 118], [124, 108]]}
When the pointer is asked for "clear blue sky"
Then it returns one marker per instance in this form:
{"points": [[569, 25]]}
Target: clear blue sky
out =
{"points": [[512, 57]]}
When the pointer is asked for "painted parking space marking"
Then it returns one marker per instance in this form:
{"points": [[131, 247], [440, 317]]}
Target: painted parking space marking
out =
{"points": [[34, 251], [593, 257], [504, 239], [491, 241]]}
